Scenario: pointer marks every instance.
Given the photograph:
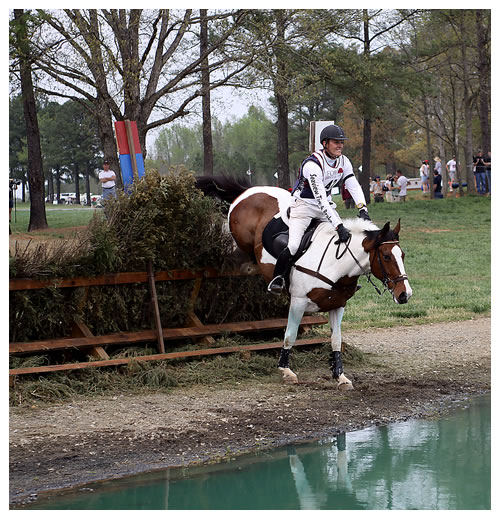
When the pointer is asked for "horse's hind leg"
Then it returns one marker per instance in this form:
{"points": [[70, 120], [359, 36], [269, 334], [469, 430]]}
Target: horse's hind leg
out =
{"points": [[335, 317], [295, 314]]}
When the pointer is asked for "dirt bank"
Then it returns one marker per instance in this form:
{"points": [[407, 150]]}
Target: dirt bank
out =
{"points": [[416, 371]]}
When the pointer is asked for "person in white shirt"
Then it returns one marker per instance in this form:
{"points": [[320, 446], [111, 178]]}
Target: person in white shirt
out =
{"points": [[107, 178], [311, 198], [402, 182], [451, 168], [424, 175]]}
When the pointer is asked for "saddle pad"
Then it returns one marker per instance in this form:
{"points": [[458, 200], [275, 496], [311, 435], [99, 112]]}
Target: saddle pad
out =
{"points": [[275, 237]]}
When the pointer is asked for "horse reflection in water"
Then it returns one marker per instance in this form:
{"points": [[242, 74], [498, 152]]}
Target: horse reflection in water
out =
{"points": [[325, 276], [313, 498]]}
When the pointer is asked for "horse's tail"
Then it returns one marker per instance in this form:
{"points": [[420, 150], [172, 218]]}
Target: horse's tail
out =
{"points": [[223, 188]]}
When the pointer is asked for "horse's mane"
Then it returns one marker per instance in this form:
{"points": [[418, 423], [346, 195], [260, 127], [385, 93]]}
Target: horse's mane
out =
{"points": [[359, 226], [221, 187]]}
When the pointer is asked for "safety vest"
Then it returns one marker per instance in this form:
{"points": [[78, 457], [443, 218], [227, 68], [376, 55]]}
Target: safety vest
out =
{"points": [[332, 175]]}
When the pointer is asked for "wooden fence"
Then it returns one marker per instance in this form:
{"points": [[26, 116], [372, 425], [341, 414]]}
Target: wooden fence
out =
{"points": [[83, 339]]}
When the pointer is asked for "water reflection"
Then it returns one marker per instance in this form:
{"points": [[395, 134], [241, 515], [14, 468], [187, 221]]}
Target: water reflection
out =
{"points": [[442, 464]]}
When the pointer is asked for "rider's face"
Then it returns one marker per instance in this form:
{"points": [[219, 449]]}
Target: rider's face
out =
{"points": [[334, 148]]}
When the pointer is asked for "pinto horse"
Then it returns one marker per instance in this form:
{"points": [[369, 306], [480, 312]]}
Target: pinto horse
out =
{"points": [[325, 276]]}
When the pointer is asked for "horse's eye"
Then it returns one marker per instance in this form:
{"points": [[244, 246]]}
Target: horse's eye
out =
{"points": [[387, 258]]}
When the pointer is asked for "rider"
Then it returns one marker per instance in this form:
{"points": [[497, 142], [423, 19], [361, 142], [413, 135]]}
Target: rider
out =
{"points": [[311, 198]]}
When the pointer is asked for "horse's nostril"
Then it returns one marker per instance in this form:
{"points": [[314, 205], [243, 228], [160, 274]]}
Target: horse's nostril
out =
{"points": [[403, 297]]}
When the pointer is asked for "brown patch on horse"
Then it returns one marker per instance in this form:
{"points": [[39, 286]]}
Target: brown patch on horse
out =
{"points": [[248, 220], [329, 299]]}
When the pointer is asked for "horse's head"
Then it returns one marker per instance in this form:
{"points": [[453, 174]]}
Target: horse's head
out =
{"points": [[387, 261]]}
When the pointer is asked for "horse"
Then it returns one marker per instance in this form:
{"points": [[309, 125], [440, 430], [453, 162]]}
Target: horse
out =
{"points": [[325, 272]]}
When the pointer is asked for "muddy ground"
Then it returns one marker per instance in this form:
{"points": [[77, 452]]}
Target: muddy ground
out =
{"points": [[417, 371]]}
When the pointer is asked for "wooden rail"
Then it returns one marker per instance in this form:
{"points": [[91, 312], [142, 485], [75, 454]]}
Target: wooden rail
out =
{"points": [[162, 356], [82, 337], [150, 335], [121, 278]]}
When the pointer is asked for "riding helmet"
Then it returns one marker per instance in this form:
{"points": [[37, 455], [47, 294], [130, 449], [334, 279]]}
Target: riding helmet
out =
{"points": [[332, 132]]}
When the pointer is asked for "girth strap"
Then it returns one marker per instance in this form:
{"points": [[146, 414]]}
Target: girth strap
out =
{"points": [[315, 274]]}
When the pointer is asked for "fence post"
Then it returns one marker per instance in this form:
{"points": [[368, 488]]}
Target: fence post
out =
{"points": [[156, 309]]}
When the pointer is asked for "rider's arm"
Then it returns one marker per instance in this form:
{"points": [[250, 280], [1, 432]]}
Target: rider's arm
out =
{"points": [[352, 185], [312, 172]]}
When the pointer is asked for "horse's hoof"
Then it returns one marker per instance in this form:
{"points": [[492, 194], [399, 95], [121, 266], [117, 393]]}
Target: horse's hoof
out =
{"points": [[343, 383], [289, 376]]}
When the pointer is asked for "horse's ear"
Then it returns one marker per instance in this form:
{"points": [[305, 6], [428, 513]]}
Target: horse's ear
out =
{"points": [[398, 227], [385, 229]]}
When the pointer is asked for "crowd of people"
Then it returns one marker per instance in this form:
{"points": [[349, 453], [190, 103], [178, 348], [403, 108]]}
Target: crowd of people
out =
{"points": [[394, 188]]}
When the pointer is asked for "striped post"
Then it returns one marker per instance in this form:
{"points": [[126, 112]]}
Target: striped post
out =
{"points": [[129, 148]]}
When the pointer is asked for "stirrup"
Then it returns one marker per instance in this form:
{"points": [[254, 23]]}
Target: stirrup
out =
{"points": [[276, 285]]}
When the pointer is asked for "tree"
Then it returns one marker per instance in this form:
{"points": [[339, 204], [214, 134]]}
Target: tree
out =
{"points": [[208, 153], [364, 73], [133, 64], [20, 48]]}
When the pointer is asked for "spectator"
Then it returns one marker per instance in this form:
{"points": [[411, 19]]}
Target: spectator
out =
{"points": [[451, 168], [437, 184], [401, 182], [107, 178], [488, 171], [480, 172], [424, 175], [437, 164], [378, 192], [387, 188], [347, 198]]}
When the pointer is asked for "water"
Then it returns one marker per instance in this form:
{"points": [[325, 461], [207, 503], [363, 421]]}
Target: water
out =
{"points": [[420, 464]]}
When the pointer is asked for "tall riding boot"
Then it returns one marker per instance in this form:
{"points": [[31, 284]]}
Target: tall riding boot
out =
{"points": [[281, 270]]}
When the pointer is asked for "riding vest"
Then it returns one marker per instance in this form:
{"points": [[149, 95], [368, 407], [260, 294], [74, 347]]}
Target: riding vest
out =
{"points": [[332, 175]]}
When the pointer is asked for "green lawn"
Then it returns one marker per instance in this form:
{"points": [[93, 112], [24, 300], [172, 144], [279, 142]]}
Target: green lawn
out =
{"points": [[57, 217], [447, 246]]}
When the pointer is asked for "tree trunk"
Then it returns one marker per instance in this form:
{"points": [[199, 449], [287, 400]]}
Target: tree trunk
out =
{"points": [[58, 184], [467, 102], [108, 141], [280, 92], [429, 147], [364, 176], [484, 70], [77, 184], [87, 185], [208, 153], [50, 186], [282, 147], [38, 219]]}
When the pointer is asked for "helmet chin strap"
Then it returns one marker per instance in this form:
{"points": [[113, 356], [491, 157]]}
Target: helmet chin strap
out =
{"points": [[327, 153]]}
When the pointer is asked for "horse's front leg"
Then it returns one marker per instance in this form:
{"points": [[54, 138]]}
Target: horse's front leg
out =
{"points": [[295, 314], [335, 317]]}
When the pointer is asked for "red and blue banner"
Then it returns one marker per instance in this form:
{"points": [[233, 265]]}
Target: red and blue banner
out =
{"points": [[129, 148]]}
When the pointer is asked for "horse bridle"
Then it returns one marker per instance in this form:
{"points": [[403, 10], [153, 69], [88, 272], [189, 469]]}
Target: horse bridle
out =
{"points": [[385, 278]]}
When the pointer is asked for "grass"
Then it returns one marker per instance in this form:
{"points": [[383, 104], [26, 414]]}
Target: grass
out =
{"points": [[58, 217], [447, 247]]}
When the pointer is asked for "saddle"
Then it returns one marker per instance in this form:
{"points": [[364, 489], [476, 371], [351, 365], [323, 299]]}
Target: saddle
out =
{"points": [[275, 237]]}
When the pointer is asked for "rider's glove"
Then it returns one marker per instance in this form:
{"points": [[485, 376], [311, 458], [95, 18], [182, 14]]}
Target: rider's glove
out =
{"points": [[344, 234], [363, 213]]}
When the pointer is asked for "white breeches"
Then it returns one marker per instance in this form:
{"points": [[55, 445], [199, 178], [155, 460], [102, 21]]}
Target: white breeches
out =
{"points": [[301, 214]]}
